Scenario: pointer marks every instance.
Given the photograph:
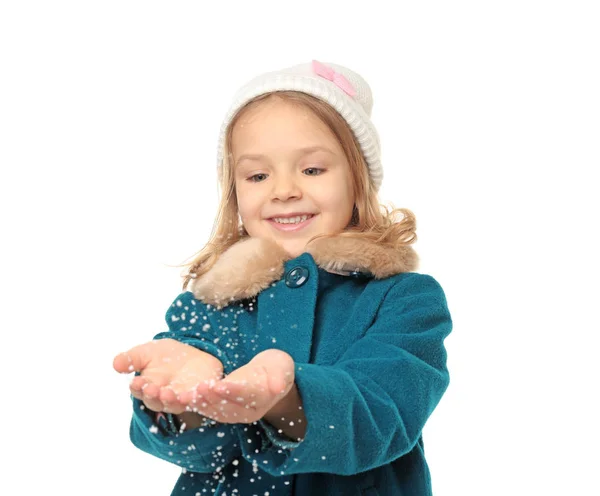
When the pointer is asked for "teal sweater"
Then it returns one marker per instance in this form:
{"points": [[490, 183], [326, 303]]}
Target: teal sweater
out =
{"points": [[370, 369]]}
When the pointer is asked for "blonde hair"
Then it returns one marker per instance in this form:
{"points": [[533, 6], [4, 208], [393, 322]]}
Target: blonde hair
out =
{"points": [[370, 219]]}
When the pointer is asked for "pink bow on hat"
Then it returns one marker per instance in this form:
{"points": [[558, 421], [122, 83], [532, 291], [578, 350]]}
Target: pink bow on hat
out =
{"points": [[335, 77]]}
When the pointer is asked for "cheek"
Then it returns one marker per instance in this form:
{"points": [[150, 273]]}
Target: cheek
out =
{"points": [[248, 203], [336, 199], [339, 208]]}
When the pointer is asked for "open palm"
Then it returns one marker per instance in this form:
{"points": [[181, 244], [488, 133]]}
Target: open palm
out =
{"points": [[248, 393], [168, 368]]}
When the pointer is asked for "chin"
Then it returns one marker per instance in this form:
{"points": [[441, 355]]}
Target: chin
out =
{"points": [[294, 249]]}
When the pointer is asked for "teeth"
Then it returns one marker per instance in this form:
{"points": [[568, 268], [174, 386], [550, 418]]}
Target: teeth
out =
{"points": [[291, 220]]}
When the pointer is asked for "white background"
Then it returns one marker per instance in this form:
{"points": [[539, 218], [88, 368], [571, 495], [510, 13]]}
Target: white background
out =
{"points": [[489, 119]]}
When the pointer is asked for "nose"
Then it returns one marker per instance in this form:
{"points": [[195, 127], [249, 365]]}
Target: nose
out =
{"points": [[286, 188]]}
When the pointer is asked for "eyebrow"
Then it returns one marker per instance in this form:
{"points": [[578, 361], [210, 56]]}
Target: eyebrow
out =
{"points": [[300, 151]]}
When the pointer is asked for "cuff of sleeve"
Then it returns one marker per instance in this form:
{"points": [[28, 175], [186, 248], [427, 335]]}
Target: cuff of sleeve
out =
{"points": [[168, 423], [175, 424], [194, 450], [272, 435]]}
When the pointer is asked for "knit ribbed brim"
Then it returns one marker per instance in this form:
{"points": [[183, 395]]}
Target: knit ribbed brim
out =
{"points": [[356, 110]]}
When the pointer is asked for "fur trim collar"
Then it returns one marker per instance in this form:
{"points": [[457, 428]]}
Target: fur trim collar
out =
{"points": [[251, 265]]}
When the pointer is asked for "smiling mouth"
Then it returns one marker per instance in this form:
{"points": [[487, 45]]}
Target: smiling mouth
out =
{"points": [[295, 219], [288, 224]]}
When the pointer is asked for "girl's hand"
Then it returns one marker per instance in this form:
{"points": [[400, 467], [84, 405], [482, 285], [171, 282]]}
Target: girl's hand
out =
{"points": [[248, 393], [168, 369]]}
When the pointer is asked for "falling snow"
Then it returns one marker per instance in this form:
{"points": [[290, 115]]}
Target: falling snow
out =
{"points": [[225, 329]]}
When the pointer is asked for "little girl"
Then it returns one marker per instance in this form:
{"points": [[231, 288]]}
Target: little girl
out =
{"points": [[305, 355]]}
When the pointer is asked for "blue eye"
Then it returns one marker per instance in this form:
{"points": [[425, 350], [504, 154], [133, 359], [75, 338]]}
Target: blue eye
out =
{"points": [[316, 171]]}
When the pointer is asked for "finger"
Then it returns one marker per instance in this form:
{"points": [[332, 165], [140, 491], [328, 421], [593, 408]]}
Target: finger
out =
{"points": [[122, 363], [202, 390], [203, 400], [238, 404], [246, 399], [188, 398], [170, 401], [134, 360], [234, 389], [245, 396], [140, 382], [240, 409], [137, 383], [167, 395], [151, 391], [250, 381], [136, 386], [155, 406], [150, 397], [251, 391], [206, 399], [204, 404]]}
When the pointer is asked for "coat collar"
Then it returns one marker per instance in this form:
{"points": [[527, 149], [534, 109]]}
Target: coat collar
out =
{"points": [[253, 264]]}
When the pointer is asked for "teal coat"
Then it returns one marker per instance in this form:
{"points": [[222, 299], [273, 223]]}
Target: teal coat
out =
{"points": [[370, 367]]}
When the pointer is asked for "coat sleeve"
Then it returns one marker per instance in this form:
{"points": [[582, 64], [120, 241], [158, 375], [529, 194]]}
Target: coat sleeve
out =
{"points": [[197, 450], [188, 321], [370, 407]]}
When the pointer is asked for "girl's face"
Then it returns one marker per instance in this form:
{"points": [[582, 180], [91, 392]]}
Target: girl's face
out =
{"points": [[292, 179]]}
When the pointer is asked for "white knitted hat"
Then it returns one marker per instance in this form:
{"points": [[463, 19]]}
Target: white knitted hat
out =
{"points": [[346, 91]]}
